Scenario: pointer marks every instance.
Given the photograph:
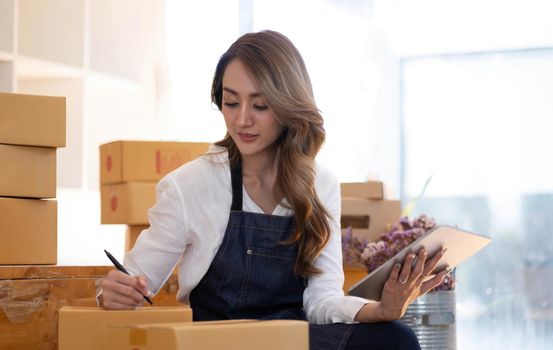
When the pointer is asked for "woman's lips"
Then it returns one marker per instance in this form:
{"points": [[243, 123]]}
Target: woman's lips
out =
{"points": [[247, 137]]}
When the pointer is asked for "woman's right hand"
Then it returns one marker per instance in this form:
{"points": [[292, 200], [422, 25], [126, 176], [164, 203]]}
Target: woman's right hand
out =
{"points": [[120, 291]]}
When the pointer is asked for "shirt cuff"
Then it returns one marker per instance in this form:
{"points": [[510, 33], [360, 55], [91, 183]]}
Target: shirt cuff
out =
{"points": [[352, 307]]}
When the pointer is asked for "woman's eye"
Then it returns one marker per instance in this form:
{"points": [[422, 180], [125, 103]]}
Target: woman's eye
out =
{"points": [[231, 104], [261, 107]]}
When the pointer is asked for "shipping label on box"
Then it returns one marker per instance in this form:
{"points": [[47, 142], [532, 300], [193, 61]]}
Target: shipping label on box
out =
{"points": [[368, 190], [127, 203], [220, 335], [32, 120], [123, 161], [27, 171], [28, 231], [84, 328]]}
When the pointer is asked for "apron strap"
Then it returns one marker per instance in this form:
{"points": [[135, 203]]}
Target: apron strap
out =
{"points": [[236, 181]]}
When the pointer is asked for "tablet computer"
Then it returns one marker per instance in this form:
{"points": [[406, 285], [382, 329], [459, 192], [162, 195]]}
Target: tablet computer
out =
{"points": [[460, 246]]}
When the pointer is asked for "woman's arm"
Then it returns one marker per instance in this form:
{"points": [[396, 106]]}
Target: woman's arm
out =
{"points": [[155, 254], [323, 299]]}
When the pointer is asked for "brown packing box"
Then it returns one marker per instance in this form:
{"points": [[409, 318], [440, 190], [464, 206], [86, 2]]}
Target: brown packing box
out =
{"points": [[123, 161], [84, 328], [127, 203], [369, 218], [32, 120], [369, 190], [27, 171], [28, 231], [133, 231], [216, 335]]}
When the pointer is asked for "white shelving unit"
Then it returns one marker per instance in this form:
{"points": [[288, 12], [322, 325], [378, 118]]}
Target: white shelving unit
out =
{"points": [[99, 55], [96, 53]]}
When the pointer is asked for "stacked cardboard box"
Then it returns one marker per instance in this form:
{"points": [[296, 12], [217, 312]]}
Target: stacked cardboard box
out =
{"points": [[31, 129], [369, 213], [129, 172]]}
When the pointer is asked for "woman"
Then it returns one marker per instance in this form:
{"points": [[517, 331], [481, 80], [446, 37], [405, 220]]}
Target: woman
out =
{"points": [[278, 253]]}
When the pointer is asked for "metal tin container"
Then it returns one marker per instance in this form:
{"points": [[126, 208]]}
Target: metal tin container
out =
{"points": [[432, 318]]}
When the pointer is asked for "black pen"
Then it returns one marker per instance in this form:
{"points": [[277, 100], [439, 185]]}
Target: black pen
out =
{"points": [[122, 269]]}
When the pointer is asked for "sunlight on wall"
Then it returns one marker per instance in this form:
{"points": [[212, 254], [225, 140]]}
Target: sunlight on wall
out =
{"points": [[198, 32]]}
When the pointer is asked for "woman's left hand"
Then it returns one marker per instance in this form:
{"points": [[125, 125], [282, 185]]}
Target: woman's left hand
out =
{"points": [[404, 285]]}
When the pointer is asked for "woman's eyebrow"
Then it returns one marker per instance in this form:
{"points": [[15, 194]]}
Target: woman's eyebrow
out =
{"points": [[231, 91]]}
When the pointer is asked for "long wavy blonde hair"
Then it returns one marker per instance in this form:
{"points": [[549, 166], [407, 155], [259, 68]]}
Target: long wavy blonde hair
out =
{"points": [[282, 77]]}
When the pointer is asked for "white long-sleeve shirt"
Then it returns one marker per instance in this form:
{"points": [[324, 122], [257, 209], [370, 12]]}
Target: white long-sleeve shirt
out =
{"points": [[188, 223]]}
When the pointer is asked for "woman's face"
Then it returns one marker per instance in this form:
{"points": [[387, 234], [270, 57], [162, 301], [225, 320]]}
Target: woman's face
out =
{"points": [[251, 124]]}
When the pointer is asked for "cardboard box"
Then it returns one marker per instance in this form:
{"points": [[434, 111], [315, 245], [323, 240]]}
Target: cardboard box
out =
{"points": [[369, 190], [127, 203], [123, 161], [27, 171], [133, 231], [32, 120], [219, 335], [28, 231], [369, 218], [84, 328]]}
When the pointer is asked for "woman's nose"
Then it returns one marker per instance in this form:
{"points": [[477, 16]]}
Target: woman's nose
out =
{"points": [[244, 117]]}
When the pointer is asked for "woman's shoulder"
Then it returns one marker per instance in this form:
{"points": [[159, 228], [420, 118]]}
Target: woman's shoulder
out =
{"points": [[326, 182], [324, 175]]}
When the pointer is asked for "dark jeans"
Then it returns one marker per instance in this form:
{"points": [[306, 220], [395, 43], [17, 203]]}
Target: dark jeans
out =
{"points": [[363, 336], [385, 335]]}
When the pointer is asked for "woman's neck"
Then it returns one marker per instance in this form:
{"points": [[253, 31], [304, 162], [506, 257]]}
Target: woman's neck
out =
{"points": [[262, 166], [259, 176]]}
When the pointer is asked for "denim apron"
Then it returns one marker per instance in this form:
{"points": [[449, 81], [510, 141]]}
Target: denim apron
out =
{"points": [[252, 275]]}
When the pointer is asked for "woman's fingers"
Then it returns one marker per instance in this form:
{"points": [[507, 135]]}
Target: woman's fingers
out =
{"points": [[433, 262], [394, 275], [142, 285], [434, 281], [419, 266], [121, 291], [112, 304], [128, 292], [406, 269]]}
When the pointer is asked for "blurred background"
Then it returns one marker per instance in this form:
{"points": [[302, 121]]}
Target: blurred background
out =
{"points": [[457, 93]]}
